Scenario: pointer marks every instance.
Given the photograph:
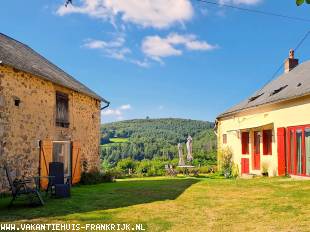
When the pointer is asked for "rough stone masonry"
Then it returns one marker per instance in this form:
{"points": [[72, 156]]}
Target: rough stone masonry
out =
{"points": [[27, 116]]}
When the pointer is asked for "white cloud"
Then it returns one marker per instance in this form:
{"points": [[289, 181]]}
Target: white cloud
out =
{"points": [[239, 2], [146, 13], [117, 112], [114, 48], [111, 112], [125, 107], [156, 47]]}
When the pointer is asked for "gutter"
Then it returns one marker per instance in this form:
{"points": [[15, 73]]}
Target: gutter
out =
{"points": [[106, 106]]}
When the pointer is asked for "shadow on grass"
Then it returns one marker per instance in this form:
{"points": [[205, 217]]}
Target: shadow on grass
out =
{"points": [[100, 197]]}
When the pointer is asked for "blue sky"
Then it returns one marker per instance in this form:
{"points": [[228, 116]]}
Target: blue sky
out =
{"points": [[161, 58]]}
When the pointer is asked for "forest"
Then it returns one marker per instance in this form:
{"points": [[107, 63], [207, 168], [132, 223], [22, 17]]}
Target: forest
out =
{"points": [[157, 139]]}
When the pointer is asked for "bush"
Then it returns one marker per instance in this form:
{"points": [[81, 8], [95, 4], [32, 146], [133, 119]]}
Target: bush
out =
{"points": [[226, 162], [151, 167], [127, 166], [96, 177]]}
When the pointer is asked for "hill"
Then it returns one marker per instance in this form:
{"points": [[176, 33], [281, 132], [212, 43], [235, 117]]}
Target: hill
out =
{"points": [[156, 138]]}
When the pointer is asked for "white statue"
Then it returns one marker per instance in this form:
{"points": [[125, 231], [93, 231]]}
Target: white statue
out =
{"points": [[181, 160], [189, 146]]}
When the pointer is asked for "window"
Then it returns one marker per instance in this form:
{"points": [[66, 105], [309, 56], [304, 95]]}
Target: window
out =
{"points": [[267, 142], [224, 138], [62, 112], [62, 153], [245, 142], [255, 97], [307, 143], [278, 90], [299, 152]]}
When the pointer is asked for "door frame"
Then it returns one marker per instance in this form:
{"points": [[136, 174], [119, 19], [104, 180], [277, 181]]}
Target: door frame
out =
{"points": [[69, 142]]}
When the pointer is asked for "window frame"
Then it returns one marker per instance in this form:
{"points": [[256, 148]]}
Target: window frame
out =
{"points": [[64, 98]]}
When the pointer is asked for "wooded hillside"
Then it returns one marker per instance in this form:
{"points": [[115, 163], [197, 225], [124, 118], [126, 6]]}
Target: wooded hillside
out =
{"points": [[156, 138]]}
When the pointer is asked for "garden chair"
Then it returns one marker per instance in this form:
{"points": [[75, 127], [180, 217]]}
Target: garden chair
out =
{"points": [[59, 187], [20, 187]]}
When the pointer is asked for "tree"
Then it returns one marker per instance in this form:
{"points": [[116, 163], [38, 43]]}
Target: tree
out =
{"points": [[68, 2], [300, 2]]}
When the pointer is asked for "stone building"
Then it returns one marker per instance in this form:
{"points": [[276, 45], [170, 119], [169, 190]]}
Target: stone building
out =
{"points": [[45, 115]]}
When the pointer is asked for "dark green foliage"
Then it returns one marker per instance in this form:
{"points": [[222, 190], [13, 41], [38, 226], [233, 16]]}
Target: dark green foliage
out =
{"points": [[300, 2], [158, 138], [96, 177]]}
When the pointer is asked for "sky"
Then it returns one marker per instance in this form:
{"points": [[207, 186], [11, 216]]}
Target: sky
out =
{"points": [[161, 58]]}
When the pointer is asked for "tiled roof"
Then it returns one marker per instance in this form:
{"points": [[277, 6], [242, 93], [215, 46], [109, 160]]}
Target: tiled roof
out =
{"points": [[293, 84], [18, 55]]}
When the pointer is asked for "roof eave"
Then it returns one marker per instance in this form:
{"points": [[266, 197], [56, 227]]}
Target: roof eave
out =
{"points": [[228, 114]]}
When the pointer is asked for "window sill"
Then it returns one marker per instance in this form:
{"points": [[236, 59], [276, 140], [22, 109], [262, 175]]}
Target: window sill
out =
{"points": [[62, 124]]}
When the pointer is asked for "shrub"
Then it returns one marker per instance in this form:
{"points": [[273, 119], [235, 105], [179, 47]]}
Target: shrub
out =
{"points": [[151, 167], [127, 166], [96, 177], [226, 164]]}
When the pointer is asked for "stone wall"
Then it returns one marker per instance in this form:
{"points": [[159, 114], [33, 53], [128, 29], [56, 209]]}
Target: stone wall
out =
{"points": [[23, 126]]}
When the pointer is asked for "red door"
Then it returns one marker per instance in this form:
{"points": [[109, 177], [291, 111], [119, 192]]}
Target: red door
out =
{"points": [[256, 153], [245, 166]]}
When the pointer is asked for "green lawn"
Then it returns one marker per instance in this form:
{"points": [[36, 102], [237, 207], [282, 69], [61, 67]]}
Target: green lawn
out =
{"points": [[180, 204], [115, 141]]}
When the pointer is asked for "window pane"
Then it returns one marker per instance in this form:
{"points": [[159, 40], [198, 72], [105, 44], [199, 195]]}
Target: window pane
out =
{"points": [[257, 142], [307, 142], [292, 161], [62, 153], [299, 151], [245, 142], [62, 115], [267, 142]]}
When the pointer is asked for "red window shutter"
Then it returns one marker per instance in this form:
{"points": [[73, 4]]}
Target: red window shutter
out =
{"points": [[245, 167], [245, 142], [281, 151]]}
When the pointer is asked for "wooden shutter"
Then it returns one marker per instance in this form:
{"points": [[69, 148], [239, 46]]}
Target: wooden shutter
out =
{"points": [[281, 151], [46, 148], [76, 162], [245, 167]]}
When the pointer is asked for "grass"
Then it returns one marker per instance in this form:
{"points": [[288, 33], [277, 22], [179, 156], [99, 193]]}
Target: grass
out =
{"points": [[114, 141], [179, 204], [118, 140]]}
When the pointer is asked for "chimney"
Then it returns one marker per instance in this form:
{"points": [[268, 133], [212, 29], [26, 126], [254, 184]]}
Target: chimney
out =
{"points": [[291, 62]]}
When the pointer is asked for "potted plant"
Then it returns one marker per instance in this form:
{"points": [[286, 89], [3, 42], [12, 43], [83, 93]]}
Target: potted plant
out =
{"points": [[265, 169]]}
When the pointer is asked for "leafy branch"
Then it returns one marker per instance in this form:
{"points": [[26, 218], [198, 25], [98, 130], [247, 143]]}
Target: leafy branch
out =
{"points": [[300, 2], [68, 2]]}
